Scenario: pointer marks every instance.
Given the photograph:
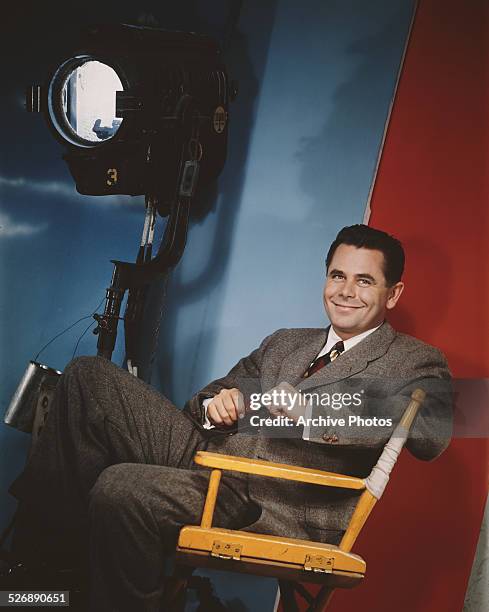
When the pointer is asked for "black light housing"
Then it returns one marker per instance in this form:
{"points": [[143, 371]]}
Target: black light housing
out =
{"points": [[170, 91]]}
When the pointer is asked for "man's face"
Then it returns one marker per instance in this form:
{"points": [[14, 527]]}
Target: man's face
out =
{"points": [[356, 296]]}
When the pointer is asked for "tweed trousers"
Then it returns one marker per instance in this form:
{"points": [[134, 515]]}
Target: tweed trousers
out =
{"points": [[113, 475]]}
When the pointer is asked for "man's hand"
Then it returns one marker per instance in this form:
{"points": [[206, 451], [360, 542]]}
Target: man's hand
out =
{"points": [[226, 407], [286, 401]]}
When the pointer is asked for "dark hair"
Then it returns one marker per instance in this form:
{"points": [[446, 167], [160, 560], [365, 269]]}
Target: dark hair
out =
{"points": [[363, 236]]}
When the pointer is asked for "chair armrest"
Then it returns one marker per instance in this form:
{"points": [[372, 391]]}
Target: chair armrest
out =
{"points": [[277, 470]]}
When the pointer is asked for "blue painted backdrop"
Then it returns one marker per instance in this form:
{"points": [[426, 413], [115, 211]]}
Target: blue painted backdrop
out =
{"points": [[316, 80]]}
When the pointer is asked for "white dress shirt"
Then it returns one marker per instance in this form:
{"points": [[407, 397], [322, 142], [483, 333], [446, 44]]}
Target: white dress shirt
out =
{"points": [[331, 340]]}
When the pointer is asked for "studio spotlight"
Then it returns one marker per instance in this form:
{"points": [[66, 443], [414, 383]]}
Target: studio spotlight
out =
{"points": [[139, 111], [132, 104]]}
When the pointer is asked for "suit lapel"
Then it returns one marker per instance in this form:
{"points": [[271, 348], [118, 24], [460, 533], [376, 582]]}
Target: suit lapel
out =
{"points": [[297, 362], [351, 362]]}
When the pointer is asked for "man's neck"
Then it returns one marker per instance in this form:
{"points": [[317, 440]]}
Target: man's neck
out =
{"points": [[338, 334], [349, 336]]}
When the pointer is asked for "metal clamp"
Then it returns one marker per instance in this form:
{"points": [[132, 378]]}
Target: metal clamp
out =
{"points": [[318, 563], [224, 550]]}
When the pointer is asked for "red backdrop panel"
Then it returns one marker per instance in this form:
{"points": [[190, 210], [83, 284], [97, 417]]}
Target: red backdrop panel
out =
{"points": [[432, 191]]}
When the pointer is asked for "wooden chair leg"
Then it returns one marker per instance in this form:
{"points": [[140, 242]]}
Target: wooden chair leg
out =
{"points": [[322, 599], [305, 594], [287, 596]]}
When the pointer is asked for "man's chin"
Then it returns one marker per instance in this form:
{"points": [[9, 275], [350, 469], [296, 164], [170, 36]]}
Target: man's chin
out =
{"points": [[344, 317], [345, 323]]}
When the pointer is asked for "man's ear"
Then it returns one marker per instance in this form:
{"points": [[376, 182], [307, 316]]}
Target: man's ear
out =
{"points": [[394, 294]]}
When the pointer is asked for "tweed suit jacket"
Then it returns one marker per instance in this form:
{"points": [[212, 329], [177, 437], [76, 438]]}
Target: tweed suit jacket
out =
{"points": [[385, 367]]}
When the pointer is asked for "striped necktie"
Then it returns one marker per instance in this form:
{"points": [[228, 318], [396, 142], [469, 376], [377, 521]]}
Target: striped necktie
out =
{"points": [[320, 362]]}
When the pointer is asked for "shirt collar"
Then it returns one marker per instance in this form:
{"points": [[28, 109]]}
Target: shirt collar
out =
{"points": [[333, 338]]}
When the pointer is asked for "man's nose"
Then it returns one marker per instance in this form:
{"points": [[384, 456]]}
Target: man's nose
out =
{"points": [[348, 289]]}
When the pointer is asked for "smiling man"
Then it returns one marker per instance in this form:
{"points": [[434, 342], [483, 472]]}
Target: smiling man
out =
{"points": [[114, 464]]}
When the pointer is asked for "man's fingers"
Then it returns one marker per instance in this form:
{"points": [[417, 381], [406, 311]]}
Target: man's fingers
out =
{"points": [[276, 410], [225, 413], [239, 403], [213, 415], [228, 403], [238, 410], [218, 403], [226, 407]]}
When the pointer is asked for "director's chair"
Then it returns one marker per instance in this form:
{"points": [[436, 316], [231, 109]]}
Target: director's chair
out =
{"points": [[291, 561]]}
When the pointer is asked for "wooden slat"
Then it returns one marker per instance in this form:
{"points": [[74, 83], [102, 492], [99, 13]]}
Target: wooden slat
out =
{"points": [[285, 571], [417, 398], [364, 507], [277, 470], [210, 500], [267, 548]]}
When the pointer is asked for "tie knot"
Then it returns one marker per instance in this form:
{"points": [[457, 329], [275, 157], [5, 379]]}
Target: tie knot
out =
{"points": [[320, 362], [337, 349]]}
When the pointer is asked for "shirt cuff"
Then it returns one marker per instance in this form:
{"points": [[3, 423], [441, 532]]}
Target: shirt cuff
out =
{"points": [[207, 424]]}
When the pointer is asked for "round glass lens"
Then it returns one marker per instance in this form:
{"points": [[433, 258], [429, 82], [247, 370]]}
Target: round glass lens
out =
{"points": [[88, 97]]}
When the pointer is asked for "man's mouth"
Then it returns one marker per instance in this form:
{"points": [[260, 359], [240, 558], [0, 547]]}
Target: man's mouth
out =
{"points": [[347, 306]]}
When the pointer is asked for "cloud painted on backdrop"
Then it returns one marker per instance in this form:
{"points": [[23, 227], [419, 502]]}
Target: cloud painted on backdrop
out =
{"points": [[9, 228], [66, 191]]}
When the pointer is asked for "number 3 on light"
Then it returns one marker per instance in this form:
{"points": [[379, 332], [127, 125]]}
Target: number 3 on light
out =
{"points": [[111, 176]]}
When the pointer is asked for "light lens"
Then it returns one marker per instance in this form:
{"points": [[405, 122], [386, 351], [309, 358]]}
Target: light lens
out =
{"points": [[88, 101]]}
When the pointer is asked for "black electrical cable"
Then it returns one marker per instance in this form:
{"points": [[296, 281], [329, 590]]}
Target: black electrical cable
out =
{"points": [[68, 328], [79, 339]]}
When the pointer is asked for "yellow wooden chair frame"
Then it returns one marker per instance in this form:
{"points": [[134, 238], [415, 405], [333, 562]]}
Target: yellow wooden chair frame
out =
{"points": [[290, 560]]}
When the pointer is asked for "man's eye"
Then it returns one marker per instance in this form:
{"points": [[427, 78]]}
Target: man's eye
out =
{"points": [[364, 282], [337, 276]]}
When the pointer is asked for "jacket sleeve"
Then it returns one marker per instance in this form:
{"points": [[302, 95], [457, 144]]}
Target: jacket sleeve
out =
{"points": [[245, 376], [432, 429]]}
